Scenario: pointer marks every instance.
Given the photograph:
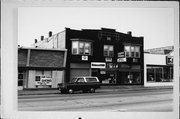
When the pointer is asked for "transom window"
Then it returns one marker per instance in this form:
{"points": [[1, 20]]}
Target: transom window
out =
{"points": [[109, 50], [132, 51], [80, 47]]}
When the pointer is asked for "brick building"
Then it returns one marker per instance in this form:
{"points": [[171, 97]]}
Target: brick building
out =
{"points": [[40, 68], [112, 56]]}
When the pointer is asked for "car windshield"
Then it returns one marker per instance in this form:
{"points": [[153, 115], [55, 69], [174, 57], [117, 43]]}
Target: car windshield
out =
{"points": [[91, 80]]}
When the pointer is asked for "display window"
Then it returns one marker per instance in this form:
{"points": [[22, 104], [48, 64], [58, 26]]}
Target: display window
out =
{"points": [[159, 74], [129, 77]]}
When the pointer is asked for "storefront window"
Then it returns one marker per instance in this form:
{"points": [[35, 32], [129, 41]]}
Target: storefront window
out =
{"points": [[159, 74], [129, 77]]}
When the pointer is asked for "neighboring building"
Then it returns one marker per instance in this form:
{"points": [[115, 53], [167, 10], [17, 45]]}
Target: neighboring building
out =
{"points": [[112, 56], [40, 68], [158, 69]]}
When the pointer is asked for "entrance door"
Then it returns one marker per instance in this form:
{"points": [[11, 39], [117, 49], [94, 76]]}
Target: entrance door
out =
{"points": [[21, 78]]}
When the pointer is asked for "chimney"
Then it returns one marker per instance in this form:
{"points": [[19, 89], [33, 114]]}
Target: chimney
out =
{"points": [[42, 37], [35, 40], [50, 33], [129, 33]]}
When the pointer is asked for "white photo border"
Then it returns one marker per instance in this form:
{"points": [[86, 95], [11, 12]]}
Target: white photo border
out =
{"points": [[9, 44]]}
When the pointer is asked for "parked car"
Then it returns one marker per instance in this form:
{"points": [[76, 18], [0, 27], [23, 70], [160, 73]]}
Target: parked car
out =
{"points": [[84, 83]]}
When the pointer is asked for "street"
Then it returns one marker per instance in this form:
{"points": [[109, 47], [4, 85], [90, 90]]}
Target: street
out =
{"points": [[157, 100]]}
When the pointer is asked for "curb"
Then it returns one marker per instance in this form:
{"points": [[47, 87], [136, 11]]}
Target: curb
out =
{"points": [[106, 88]]}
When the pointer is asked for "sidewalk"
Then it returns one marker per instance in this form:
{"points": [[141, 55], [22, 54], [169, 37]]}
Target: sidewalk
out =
{"points": [[103, 88]]}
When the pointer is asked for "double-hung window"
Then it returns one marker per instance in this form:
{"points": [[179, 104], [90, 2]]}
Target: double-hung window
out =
{"points": [[81, 48], [109, 50], [132, 51]]}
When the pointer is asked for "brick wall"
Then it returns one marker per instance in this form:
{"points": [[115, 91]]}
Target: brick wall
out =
{"points": [[41, 58], [22, 57]]}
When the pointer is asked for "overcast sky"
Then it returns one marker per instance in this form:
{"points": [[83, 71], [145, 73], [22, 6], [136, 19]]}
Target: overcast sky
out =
{"points": [[156, 25]]}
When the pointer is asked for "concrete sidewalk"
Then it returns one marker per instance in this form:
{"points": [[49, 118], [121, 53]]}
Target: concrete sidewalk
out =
{"points": [[103, 88]]}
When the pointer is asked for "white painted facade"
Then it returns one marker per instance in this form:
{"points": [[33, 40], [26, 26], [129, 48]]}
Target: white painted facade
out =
{"points": [[154, 59]]}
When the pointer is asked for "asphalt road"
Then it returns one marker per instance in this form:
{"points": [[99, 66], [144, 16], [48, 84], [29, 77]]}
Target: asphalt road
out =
{"points": [[113, 101]]}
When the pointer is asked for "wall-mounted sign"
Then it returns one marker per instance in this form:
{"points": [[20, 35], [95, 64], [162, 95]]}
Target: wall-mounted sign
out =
{"points": [[100, 65], [121, 60], [43, 80], [121, 54], [84, 58], [107, 59], [169, 59], [102, 72]]}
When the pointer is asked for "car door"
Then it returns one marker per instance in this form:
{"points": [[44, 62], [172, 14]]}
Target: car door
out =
{"points": [[80, 84]]}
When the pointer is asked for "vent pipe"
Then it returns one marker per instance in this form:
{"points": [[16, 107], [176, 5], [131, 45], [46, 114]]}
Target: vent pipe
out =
{"points": [[50, 33], [129, 33], [42, 37], [35, 40]]}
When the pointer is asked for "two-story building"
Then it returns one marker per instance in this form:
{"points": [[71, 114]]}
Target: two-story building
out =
{"points": [[112, 56]]}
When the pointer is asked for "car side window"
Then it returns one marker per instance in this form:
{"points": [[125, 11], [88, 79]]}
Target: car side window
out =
{"points": [[80, 80]]}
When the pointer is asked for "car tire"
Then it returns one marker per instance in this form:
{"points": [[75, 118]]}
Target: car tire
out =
{"points": [[70, 91], [92, 90]]}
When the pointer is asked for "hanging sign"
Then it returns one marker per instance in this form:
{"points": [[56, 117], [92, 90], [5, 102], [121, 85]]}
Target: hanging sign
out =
{"points": [[107, 59], [121, 60], [85, 58], [121, 54]]}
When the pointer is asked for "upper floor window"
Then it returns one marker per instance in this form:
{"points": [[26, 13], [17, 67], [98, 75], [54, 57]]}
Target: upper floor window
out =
{"points": [[132, 51], [80, 47], [109, 50]]}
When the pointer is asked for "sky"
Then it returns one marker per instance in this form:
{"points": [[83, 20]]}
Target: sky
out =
{"points": [[156, 25]]}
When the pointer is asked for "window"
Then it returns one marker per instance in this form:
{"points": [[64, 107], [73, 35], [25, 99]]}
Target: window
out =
{"points": [[80, 80], [82, 48], [159, 74], [132, 51], [109, 50], [21, 77], [91, 80]]}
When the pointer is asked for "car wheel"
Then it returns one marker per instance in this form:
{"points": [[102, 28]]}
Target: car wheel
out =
{"points": [[92, 90], [70, 91]]}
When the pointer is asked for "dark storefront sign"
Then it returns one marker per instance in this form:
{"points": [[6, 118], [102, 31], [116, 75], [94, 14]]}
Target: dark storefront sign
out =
{"points": [[169, 59]]}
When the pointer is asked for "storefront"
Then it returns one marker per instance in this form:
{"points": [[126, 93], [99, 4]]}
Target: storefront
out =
{"points": [[40, 68], [159, 71], [113, 73]]}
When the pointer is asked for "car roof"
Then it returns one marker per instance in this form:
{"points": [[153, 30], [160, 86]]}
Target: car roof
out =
{"points": [[86, 77]]}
